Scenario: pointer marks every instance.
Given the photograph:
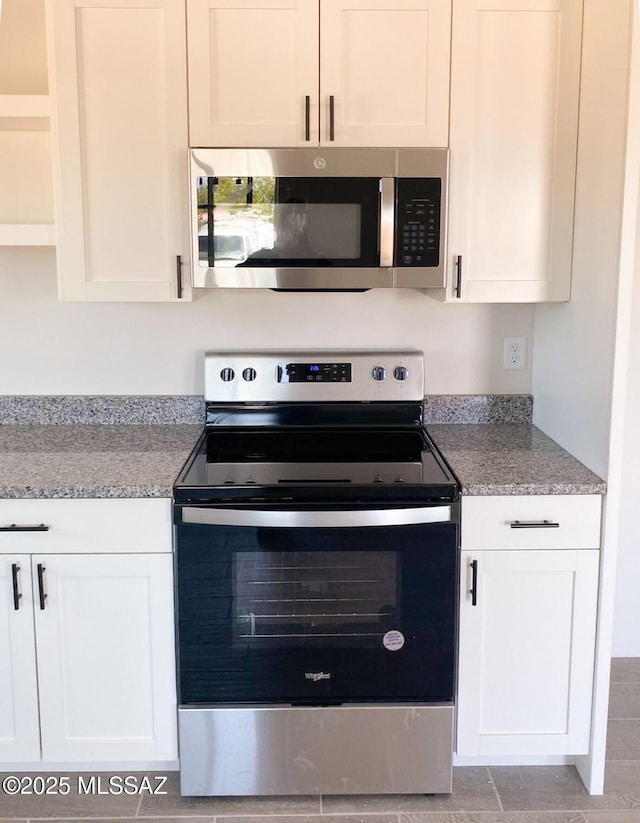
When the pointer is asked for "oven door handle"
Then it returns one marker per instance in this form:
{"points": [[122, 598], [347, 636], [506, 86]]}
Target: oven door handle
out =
{"points": [[315, 519]]}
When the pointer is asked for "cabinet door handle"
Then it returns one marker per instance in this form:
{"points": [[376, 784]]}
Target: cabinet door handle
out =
{"points": [[458, 289], [307, 118], [534, 524], [474, 583], [16, 588], [179, 275], [14, 528], [41, 589], [332, 118]]}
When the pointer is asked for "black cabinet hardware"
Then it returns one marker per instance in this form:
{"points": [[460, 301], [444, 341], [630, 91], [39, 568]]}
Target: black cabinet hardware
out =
{"points": [[332, 132], [14, 528], [474, 582], [534, 524], [307, 118], [41, 590], [16, 590], [458, 289], [179, 275]]}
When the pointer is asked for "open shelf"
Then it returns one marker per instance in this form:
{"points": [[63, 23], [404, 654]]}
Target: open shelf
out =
{"points": [[24, 105], [27, 234]]}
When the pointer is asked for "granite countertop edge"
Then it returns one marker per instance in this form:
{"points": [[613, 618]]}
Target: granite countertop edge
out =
{"points": [[83, 492], [512, 489]]}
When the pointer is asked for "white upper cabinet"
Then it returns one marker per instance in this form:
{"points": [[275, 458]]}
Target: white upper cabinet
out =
{"points": [[515, 82], [332, 72], [252, 66], [386, 68], [119, 122]]}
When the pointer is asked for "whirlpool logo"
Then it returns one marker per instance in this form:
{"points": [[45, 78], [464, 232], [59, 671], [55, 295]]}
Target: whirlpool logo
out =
{"points": [[315, 676]]}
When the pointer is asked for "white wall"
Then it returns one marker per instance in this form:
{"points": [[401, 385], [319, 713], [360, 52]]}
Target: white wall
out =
{"points": [[48, 347], [574, 342], [626, 630]]}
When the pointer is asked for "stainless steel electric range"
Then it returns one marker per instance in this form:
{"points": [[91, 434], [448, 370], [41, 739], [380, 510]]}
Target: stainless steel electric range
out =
{"points": [[317, 533]]}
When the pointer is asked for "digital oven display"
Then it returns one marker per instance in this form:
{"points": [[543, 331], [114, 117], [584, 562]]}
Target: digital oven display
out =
{"points": [[315, 373]]}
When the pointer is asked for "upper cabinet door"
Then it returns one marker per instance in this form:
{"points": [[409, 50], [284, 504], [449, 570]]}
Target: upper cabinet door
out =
{"points": [[515, 78], [119, 123], [384, 71], [253, 72]]}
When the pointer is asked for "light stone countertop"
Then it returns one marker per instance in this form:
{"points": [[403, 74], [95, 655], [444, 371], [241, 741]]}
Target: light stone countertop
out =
{"points": [[511, 458], [93, 460], [85, 460]]}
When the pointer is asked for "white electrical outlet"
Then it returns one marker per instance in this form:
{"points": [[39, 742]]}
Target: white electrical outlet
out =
{"points": [[515, 353]]}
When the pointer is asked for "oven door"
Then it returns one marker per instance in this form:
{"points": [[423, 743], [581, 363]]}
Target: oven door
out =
{"points": [[316, 608]]}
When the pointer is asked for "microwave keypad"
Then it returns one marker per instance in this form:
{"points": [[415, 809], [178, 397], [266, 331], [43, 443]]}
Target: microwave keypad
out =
{"points": [[418, 222]]}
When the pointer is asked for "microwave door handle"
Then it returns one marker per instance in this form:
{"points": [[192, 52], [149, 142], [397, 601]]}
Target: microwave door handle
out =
{"points": [[210, 203], [387, 220], [276, 518]]}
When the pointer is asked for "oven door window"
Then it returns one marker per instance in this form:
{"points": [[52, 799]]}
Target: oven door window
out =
{"points": [[314, 599], [316, 616], [288, 222]]}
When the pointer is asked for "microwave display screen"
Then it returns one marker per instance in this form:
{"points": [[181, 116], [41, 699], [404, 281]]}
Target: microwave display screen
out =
{"points": [[287, 221]]}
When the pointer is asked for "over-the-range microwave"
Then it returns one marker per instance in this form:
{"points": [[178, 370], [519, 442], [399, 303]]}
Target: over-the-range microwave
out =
{"points": [[318, 218]]}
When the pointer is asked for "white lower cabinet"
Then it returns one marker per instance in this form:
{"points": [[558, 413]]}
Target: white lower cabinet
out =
{"points": [[527, 638], [99, 627], [19, 729], [104, 642]]}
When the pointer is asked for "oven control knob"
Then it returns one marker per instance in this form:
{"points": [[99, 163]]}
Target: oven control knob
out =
{"points": [[399, 479], [227, 375], [401, 372], [378, 372], [249, 375], [378, 479]]}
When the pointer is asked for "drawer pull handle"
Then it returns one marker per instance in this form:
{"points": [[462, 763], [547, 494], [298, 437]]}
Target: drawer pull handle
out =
{"points": [[14, 528], [534, 524], [17, 594], [41, 589], [474, 583]]}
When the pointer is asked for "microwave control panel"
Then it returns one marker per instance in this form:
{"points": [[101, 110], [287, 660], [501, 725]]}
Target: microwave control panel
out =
{"points": [[418, 221]]}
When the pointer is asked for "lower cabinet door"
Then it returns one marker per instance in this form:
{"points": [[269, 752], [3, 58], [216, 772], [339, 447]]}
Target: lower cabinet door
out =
{"points": [[105, 645], [526, 652], [19, 730]]}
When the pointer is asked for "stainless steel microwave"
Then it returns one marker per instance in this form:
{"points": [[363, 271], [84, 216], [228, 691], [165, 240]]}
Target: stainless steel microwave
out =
{"points": [[318, 218]]}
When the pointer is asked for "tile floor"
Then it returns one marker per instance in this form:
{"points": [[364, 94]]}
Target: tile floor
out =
{"points": [[540, 794]]}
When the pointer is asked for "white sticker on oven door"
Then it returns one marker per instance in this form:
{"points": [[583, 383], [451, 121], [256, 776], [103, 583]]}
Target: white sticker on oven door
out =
{"points": [[393, 641]]}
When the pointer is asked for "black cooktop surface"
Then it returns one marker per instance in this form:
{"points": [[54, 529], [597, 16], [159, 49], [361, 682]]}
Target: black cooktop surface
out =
{"points": [[315, 465]]}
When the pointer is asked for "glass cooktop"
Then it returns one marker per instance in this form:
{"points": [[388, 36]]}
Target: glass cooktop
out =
{"points": [[315, 464]]}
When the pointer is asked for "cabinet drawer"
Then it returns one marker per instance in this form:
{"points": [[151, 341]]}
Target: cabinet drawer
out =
{"points": [[518, 522], [118, 526]]}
